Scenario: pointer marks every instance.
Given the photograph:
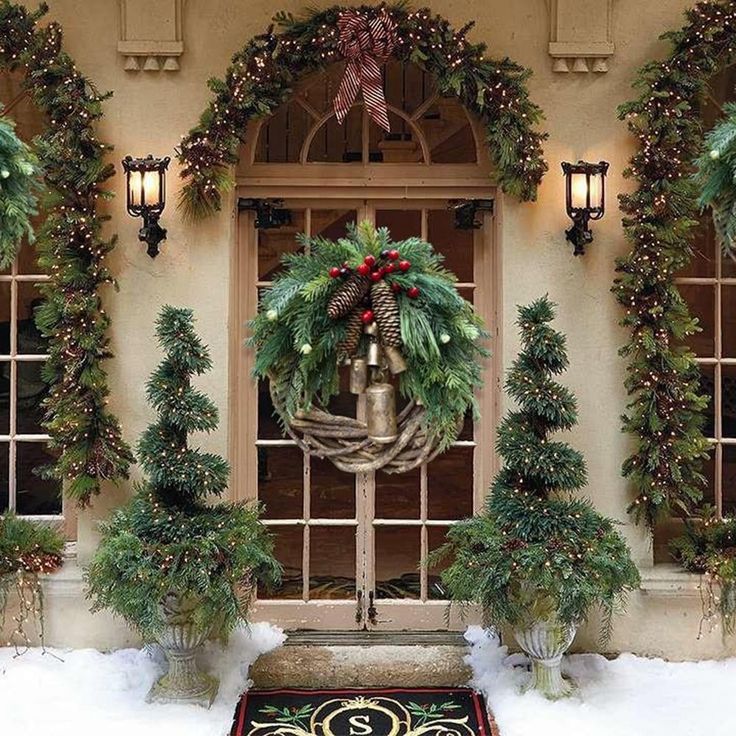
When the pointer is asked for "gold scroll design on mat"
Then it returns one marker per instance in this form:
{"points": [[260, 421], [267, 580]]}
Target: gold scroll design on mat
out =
{"points": [[322, 721]]}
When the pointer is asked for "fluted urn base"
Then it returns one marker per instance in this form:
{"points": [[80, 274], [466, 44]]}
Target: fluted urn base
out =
{"points": [[180, 639], [546, 642]]}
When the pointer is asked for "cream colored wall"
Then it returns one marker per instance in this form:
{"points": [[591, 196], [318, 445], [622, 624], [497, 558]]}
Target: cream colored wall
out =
{"points": [[150, 112]]}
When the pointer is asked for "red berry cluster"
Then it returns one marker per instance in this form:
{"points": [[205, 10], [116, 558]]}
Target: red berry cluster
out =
{"points": [[377, 269]]}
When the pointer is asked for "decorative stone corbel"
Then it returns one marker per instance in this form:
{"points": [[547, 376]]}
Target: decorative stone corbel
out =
{"points": [[581, 35], [151, 34]]}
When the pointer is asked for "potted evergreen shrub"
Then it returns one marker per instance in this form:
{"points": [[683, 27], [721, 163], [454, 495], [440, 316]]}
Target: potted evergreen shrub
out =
{"points": [[537, 559], [176, 568]]}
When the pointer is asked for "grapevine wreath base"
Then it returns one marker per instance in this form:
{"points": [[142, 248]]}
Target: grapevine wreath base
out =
{"points": [[383, 309]]}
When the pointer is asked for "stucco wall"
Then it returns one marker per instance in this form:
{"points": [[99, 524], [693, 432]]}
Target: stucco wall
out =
{"points": [[150, 112]]}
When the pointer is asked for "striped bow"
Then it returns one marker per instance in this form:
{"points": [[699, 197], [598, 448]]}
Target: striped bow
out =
{"points": [[365, 43]]}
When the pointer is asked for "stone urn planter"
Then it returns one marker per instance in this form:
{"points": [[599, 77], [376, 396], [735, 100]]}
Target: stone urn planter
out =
{"points": [[180, 639], [546, 641]]}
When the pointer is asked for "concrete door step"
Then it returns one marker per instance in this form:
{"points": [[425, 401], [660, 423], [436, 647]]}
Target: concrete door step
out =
{"points": [[364, 659]]}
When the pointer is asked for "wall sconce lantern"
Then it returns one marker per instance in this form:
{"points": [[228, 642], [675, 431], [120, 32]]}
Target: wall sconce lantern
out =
{"points": [[145, 182], [585, 195]]}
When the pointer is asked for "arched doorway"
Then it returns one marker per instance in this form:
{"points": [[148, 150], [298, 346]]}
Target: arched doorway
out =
{"points": [[352, 545]]}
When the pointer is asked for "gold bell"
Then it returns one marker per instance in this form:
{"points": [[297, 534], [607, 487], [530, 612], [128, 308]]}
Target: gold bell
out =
{"points": [[358, 375], [394, 359], [374, 354], [381, 413]]}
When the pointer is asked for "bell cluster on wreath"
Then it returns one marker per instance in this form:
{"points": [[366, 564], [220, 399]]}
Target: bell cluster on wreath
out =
{"points": [[370, 306]]}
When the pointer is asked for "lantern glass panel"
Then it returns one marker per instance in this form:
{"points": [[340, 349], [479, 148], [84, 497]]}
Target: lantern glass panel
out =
{"points": [[579, 189]]}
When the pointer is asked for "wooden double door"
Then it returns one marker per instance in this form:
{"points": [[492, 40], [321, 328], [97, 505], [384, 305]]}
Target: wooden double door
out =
{"points": [[352, 545]]}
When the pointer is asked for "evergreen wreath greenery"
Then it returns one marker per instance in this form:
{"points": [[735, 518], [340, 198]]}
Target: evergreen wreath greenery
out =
{"points": [[716, 178], [27, 551], [708, 547], [72, 250], [19, 186], [263, 72], [167, 538], [298, 345], [666, 412], [535, 552]]}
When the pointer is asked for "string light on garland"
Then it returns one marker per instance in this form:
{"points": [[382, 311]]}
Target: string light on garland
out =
{"points": [[73, 251], [261, 76], [666, 412]]}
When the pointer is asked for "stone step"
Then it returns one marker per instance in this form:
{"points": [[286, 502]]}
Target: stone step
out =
{"points": [[322, 660]]}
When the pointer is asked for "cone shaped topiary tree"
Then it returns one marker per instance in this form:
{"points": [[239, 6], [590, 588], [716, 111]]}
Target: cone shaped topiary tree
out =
{"points": [[536, 553], [169, 559], [178, 474]]}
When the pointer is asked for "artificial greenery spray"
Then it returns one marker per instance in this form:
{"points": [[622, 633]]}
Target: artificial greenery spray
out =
{"points": [[536, 552], [168, 538]]}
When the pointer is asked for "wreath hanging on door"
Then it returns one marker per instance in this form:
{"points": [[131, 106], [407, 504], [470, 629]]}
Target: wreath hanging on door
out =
{"points": [[389, 311], [262, 74]]}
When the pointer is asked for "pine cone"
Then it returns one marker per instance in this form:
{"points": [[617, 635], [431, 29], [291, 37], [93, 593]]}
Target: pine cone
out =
{"points": [[353, 331], [348, 296], [386, 310]]}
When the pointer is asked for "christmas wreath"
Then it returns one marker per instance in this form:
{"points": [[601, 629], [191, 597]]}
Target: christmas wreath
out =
{"points": [[384, 309], [263, 72]]}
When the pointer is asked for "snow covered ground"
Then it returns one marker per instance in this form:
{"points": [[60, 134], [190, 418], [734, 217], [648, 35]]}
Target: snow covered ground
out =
{"points": [[94, 694], [89, 693], [628, 696]]}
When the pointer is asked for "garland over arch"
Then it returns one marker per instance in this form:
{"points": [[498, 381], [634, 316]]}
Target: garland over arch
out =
{"points": [[71, 248], [262, 75], [666, 413]]}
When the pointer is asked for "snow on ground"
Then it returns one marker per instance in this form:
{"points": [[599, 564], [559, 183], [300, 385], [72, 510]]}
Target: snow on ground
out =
{"points": [[87, 693], [627, 696]]}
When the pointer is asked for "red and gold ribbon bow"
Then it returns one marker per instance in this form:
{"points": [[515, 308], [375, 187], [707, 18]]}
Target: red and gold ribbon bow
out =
{"points": [[366, 43]]}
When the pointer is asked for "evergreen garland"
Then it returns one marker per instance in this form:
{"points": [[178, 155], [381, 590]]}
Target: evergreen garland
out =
{"points": [[298, 344], [167, 539], [716, 178], [262, 75], [666, 413], [536, 553], [72, 250], [19, 185]]}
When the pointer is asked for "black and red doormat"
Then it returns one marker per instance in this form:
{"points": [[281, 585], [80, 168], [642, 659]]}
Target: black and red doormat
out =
{"points": [[374, 712]]}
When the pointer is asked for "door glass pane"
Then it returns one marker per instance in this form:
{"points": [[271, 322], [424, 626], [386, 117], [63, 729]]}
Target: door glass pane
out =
{"points": [[288, 548], [728, 316], [436, 537], [268, 423], [701, 301], [280, 481], [332, 562], [450, 484], [31, 390], [455, 245], [273, 244], [397, 495], [332, 223], [708, 387], [728, 266], [703, 263], [728, 401], [339, 144], [402, 224], [4, 465], [30, 341], [400, 146], [397, 555], [333, 492], [4, 318]]}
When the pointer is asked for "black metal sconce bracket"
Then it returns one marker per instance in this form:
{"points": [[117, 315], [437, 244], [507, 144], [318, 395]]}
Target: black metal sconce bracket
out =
{"points": [[579, 234], [151, 233]]}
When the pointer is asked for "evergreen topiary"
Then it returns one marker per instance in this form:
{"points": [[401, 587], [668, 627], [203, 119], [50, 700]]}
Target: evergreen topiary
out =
{"points": [[167, 539], [535, 553]]}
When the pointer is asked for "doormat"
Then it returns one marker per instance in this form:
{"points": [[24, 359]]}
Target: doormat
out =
{"points": [[363, 712]]}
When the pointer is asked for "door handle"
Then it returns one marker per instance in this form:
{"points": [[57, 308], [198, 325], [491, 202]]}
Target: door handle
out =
{"points": [[359, 607], [372, 611]]}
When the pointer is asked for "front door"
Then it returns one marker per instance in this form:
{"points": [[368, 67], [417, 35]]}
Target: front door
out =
{"points": [[352, 545]]}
